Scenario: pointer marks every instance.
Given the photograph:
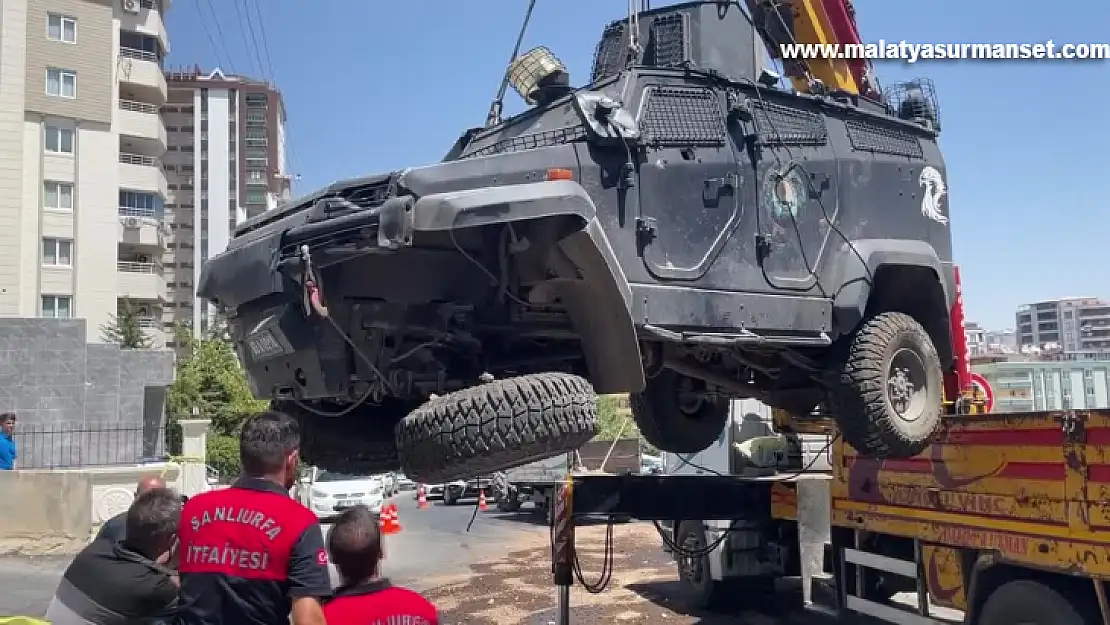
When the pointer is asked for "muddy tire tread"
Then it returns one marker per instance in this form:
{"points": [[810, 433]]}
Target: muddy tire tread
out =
{"points": [[496, 426], [860, 392]]}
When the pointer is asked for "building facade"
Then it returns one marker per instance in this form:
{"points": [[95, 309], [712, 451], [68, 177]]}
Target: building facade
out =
{"points": [[1071, 324], [225, 163], [81, 139]]}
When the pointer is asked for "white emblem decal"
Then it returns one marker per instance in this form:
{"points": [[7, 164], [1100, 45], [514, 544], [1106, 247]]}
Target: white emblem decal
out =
{"points": [[932, 201]]}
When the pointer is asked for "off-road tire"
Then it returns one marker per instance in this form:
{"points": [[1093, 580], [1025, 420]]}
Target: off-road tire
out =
{"points": [[1034, 603], [859, 395], [358, 444], [662, 422], [699, 586], [496, 426]]}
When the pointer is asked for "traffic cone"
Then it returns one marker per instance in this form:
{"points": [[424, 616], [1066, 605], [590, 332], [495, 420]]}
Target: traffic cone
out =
{"points": [[482, 500], [388, 520], [421, 499]]}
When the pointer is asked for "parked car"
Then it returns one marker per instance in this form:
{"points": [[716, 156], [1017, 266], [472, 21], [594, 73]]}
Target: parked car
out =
{"points": [[404, 483], [465, 489], [331, 493], [431, 491], [389, 483]]}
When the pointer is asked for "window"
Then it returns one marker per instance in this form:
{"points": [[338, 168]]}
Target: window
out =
{"points": [[61, 82], [57, 195], [140, 204], [256, 197], [255, 176], [57, 253], [57, 306], [59, 140], [61, 28]]}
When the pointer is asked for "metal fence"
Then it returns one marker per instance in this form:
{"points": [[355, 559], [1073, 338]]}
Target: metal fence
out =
{"points": [[74, 445]]}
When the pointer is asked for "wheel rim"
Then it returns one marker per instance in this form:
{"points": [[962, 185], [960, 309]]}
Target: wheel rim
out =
{"points": [[689, 402], [690, 567], [907, 385]]}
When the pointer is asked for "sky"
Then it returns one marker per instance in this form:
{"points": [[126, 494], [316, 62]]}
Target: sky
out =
{"points": [[372, 86]]}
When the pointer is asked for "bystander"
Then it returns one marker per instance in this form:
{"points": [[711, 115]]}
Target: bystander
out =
{"points": [[8, 453], [115, 528], [121, 583]]}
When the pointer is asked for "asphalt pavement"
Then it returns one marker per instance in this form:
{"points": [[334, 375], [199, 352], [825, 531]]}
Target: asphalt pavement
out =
{"points": [[433, 543]]}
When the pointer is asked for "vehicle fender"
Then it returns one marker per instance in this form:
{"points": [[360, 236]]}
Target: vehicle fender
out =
{"points": [[599, 304], [850, 301]]}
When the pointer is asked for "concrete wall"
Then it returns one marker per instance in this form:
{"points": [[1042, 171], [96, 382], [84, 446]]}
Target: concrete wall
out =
{"points": [[44, 512], [51, 376]]}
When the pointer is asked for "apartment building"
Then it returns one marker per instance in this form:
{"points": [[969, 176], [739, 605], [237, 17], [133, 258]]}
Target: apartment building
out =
{"points": [[1073, 324], [81, 183], [225, 163]]}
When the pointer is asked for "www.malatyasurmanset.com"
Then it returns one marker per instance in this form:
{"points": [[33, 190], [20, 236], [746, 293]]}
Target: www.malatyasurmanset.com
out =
{"points": [[914, 52]]}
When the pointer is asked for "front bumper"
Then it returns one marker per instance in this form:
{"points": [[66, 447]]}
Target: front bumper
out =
{"points": [[258, 280], [329, 508]]}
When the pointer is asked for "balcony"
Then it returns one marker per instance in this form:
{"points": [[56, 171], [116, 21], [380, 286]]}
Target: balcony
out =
{"points": [[140, 72], [141, 129], [140, 281], [148, 21], [142, 173], [141, 229]]}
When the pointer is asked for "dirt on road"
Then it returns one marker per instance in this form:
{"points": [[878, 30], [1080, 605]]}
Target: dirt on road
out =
{"points": [[518, 590]]}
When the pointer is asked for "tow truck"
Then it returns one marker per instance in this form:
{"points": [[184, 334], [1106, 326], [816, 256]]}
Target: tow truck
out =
{"points": [[1005, 518]]}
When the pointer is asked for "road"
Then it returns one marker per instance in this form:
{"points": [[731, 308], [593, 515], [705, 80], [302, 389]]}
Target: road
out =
{"points": [[434, 544]]}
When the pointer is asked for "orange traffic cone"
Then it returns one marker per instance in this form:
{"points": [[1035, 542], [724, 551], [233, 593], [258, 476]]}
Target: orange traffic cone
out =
{"points": [[388, 519], [421, 499], [482, 500]]}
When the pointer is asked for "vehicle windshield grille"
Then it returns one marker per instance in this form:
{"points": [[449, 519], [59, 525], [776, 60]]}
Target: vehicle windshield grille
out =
{"points": [[544, 139]]}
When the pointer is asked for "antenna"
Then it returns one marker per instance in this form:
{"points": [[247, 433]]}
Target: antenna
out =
{"points": [[494, 115]]}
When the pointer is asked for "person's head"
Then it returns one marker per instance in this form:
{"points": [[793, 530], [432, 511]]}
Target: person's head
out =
{"points": [[269, 447], [355, 545], [152, 523], [7, 423], [149, 482]]}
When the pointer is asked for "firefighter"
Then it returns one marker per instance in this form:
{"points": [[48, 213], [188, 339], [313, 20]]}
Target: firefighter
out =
{"points": [[250, 554], [365, 597]]}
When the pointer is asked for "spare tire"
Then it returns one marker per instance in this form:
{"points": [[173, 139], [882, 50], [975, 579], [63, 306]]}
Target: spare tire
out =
{"points": [[496, 426], [887, 395]]}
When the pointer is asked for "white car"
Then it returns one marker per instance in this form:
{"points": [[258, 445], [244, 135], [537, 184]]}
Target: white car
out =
{"points": [[332, 493], [404, 483]]}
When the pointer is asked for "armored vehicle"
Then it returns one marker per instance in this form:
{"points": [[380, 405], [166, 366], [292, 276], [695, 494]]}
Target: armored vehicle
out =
{"points": [[681, 228]]}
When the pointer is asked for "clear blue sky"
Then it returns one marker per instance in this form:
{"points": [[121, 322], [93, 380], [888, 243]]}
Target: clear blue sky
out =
{"points": [[373, 85]]}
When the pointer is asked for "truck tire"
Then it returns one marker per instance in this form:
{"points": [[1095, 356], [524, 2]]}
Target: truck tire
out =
{"points": [[887, 391], [359, 444], [674, 425], [693, 572], [496, 426], [1026, 602]]}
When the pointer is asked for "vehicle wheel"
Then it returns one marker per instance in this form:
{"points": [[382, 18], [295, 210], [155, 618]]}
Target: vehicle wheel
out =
{"points": [[673, 417], [887, 393], [508, 500], [360, 443], [694, 572], [496, 426], [1025, 602]]}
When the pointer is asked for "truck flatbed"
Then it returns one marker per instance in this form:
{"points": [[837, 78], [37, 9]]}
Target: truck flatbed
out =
{"points": [[998, 503]]}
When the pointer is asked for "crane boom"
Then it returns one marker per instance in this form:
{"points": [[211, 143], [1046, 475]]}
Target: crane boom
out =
{"points": [[819, 22]]}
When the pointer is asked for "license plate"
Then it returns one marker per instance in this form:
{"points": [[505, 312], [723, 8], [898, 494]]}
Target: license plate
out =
{"points": [[264, 345], [347, 503]]}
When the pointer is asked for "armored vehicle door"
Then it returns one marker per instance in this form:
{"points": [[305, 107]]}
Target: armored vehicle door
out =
{"points": [[796, 186], [689, 182]]}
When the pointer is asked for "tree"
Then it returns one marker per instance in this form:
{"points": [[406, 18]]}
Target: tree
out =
{"points": [[210, 379], [614, 416], [125, 328]]}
